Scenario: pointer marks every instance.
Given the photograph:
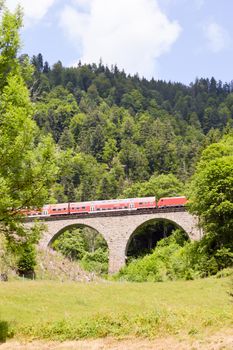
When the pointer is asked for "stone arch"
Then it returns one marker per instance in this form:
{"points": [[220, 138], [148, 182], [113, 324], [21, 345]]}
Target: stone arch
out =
{"points": [[73, 226], [150, 220], [53, 228]]}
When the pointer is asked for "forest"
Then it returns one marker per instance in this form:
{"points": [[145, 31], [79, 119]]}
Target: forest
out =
{"points": [[93, 132], [119, 133]]}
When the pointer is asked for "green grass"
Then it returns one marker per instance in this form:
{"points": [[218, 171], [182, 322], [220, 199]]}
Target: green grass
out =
{"points": [[53, 310]]}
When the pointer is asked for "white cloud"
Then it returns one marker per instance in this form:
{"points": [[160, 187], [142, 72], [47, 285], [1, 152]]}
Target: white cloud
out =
{"points": [[217, 37], [129, 33], [33, 10]]}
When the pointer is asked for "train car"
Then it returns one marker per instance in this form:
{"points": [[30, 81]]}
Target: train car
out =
{"points": [[123, 204], [79, 207], [111, 204], [143, 203], [56, 209], [175, 202]]}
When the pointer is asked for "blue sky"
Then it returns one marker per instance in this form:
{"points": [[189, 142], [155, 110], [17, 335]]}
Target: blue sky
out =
{"points": [[175, 40]]}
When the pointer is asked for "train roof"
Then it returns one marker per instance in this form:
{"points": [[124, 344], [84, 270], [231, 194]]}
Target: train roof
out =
{"points": [[178, 197], [120, 200]]}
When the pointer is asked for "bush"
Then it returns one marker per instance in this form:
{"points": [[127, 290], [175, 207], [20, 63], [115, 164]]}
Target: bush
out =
{"points": [[174, 258], [96, 261], [4, 331], [224, 258], [27, 261], [86, 246]]}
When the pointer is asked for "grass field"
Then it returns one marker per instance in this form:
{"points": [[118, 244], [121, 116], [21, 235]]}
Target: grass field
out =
{"points": [[60, 311]]}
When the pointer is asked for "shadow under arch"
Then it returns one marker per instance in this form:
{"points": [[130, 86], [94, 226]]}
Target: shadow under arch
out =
{"points": [[153, 226]]}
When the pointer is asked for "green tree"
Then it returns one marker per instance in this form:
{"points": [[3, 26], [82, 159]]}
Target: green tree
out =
{"points": [[158, 186], [55, 110], [10, 24], [86, 246], [27, 159], [211, 192], [71, 244]]}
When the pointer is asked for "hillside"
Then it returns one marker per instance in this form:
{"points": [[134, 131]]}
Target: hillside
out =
{"points": [[116, 130]]}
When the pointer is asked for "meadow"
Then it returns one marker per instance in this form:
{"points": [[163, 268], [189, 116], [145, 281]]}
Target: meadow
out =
{"points": [[69, 311]]}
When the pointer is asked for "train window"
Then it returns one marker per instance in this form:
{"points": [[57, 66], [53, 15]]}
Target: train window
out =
{"points": [[140, 203], [83, 207], [98, 209], [77, 208], [54, 209]]}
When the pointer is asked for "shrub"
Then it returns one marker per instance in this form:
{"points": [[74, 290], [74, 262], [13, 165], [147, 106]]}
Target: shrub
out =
{"points": [[4, 331], [96, 261], [27, 261], [174, 258]]}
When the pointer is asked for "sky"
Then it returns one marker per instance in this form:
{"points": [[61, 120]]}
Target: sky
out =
{"points": [[172, 40]]}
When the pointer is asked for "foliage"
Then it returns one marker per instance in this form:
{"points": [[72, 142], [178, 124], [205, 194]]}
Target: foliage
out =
{"points": [[86, 246], [9, 43], [174, 258], [121, 132], [7, 260], [4, 331], [96, 261], [211, 193], [27, 158], [146, 237], [158, 186], [27, 261], [70, 244]]}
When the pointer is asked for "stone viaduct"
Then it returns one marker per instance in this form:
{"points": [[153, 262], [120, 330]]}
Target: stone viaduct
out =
{"points": [[117, 228]]}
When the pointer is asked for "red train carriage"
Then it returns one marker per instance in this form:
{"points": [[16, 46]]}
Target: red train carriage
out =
{"points": [[105, 205], [112, 204], [168, 202], [79, 207], [146, 202], [123, 204], [57, 209]]}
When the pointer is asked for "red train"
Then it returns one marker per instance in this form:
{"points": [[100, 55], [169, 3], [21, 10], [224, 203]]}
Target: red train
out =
{"points": [[106, 205]]}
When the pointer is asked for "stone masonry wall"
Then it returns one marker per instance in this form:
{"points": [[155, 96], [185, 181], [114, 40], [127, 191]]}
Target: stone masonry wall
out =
{"points": [[117, 230]]}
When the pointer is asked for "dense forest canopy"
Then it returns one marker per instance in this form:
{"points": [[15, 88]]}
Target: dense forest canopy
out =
{"points": [[119, 132]]}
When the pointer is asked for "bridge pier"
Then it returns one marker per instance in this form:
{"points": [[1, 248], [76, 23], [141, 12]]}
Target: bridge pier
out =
{"points": [[117, 229], [116, 258]]}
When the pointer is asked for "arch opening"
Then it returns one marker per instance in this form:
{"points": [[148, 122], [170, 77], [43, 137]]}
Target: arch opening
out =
{"points": [[84, 245], [146, 236]]}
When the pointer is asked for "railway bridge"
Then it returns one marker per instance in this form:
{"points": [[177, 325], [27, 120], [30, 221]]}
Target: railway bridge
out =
{"points": [[117, 228]]}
